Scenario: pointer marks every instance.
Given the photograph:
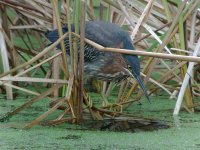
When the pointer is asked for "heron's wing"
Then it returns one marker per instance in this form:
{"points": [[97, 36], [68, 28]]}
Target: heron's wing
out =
{"points": [[105, 34], [53, 36], [91, 53]]}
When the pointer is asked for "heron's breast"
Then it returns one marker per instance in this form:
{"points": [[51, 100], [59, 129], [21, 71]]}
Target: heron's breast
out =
{"points": [[114, 64]]}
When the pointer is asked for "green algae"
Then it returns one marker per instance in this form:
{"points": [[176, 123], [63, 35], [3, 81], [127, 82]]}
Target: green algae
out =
{"points": [[182, 135]]}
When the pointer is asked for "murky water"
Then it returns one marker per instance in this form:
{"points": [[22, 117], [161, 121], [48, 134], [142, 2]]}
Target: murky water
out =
{"points": [[126, 125]]}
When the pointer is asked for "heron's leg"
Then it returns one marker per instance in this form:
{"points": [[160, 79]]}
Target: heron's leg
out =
{"points": [[110, 88], [103, 94], [105, 100], [106, 92]]}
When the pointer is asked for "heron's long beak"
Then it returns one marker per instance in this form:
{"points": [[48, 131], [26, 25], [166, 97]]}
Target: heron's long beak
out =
{"points": [[134, 62], [140, 82]]}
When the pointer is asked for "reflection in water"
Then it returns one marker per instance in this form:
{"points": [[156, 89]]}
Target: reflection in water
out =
{"points": [[176, 120]]}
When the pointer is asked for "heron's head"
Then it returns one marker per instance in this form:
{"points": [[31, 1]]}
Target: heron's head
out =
{"points": [[53, 36], [134, 63]]}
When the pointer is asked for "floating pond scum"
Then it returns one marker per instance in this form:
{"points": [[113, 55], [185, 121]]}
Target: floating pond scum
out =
{"points": [[165, 35]]}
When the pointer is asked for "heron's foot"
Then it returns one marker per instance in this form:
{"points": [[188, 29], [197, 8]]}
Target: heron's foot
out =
{"points": [[105, 103], [116, 107], [113, 107]]}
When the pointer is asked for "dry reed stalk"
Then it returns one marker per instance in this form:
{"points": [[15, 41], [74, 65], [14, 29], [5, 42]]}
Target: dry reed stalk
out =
{"points": [[5, 62], [92, 109], [188, 93], [183, 45], [151, 63], [60, 33], [40, 118], [45, 4], [68, 94], [91, 7], [159, 85], [146, 36], [101, 11], [79, 114], [169, 17], [144, 15], [70, 37], [30, 102], [25, 11], [168, 68], [190, 10], [7, 35], [165, 77], [63, 114], [55, 66], [76, 70], [153, 54], [39, 64], [73, 62], [51, 110], [20, 88], [185, 81], [38, 8], [192, 33], [28, 79], [57, 122], [32, 60], [142, 53], [146, 26], [126, 13]]}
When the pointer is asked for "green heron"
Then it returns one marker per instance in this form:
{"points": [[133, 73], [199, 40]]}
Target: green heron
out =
{"points": [[106, 66]]}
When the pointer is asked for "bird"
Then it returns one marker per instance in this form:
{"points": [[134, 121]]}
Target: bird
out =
{"points": [[105, 66]]}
